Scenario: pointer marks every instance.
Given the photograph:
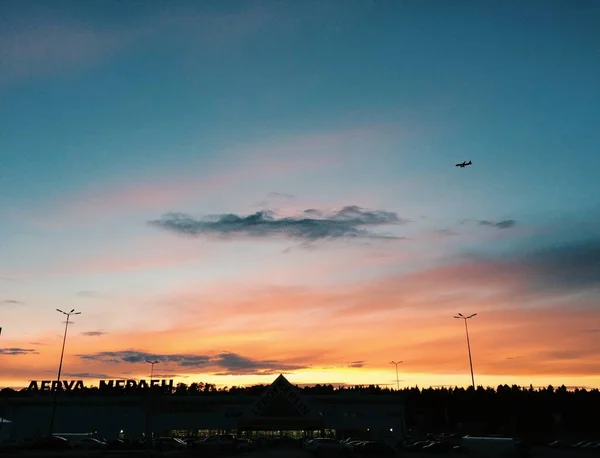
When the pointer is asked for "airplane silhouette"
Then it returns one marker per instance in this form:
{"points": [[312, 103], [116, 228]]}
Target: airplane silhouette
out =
{"points": [[464, 164]]}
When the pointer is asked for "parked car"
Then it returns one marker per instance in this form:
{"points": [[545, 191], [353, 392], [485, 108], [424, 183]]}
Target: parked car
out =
{"points": [[244, 445], [326, 447], [373, 448], [12, 444], [170, 443], [89, 443], [50, 443], [217, 443]]}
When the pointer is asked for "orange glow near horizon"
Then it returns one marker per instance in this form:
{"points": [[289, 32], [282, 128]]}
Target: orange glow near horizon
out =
{"points": [[245, 189], [375, 322]]}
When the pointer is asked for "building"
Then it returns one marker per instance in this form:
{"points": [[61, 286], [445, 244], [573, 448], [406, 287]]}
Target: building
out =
{"points": [[5, 429], [282, 408]]}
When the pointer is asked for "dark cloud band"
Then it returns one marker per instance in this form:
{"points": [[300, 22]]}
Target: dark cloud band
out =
{"points": [[18, 351], [311, 225], [224, 363]]}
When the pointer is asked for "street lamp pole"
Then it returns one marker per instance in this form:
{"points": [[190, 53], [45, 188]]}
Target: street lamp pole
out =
{"points": [[460, 316], [2, 402], [62, 354], [150, 405], [152, 369], [397, 380]]}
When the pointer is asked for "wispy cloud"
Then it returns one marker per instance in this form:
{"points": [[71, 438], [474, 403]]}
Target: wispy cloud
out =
{"points": [[85, 375], [503, 224], [357, 364], [53, 46], [564, 266], [445, 232], [91, 294], [275, 197], [147, 194], [549, 275], [13, 302], [93, 333], [15, 351], [170, 375], [133, 356], [350, 222], [236, 364], [50, 44], [226, 363], [280, 195]]}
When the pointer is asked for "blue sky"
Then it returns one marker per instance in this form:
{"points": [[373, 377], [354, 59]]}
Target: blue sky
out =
{"points": [[116, 113]]}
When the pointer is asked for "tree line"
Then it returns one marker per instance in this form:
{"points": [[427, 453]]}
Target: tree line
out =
{"points": [[504, 410]]}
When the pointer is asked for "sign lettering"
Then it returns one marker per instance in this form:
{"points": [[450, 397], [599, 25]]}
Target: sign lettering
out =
{"points": [[76, 385], [281, 386]]}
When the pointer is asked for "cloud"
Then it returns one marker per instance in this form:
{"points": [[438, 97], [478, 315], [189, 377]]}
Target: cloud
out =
{"points": [[132, 356], [50, 44], [168, 376], [357, 364], [93, 333], [505, 224], [533, 292], [566, 267], [445, 232], [274, 197], [312, 384], [13, 302], [148, 193], [18, 351], [236, 364], [84, 375], [280, 195], [93, 294], [350, 222], [225, 363]]}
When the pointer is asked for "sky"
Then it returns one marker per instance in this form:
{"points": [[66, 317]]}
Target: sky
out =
{"points": [[241, 189]]}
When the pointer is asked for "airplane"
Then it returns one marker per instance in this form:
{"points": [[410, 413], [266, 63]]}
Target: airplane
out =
{"points": [[464, 164]]}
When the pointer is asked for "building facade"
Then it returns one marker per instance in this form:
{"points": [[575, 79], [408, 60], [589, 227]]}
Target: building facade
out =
{"points": [[282, 407]]}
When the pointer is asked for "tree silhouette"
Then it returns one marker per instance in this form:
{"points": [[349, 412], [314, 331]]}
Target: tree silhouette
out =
{"points": [[538, 414]]}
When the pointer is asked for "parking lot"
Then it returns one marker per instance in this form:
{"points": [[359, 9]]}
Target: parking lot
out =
{"points": [[540, 452]]}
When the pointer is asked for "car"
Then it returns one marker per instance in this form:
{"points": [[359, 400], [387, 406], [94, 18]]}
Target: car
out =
{"points": [[373, 448], [51, 443], [217, 443], [89, 443], [326, 447], [170, 443], [244, 445], [12, 444]]}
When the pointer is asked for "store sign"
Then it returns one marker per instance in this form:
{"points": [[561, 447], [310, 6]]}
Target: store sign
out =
{"points": [[76, 385], [284, 388]]}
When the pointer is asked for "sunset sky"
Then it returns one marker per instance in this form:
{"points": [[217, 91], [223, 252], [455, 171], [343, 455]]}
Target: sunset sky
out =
{"points": [[246, 188]]}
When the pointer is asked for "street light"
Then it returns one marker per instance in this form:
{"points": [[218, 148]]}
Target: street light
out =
{"points": [[2, 402], [397, 380], [152, 370], [62, 354], [460, 316], [149, 419]]}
